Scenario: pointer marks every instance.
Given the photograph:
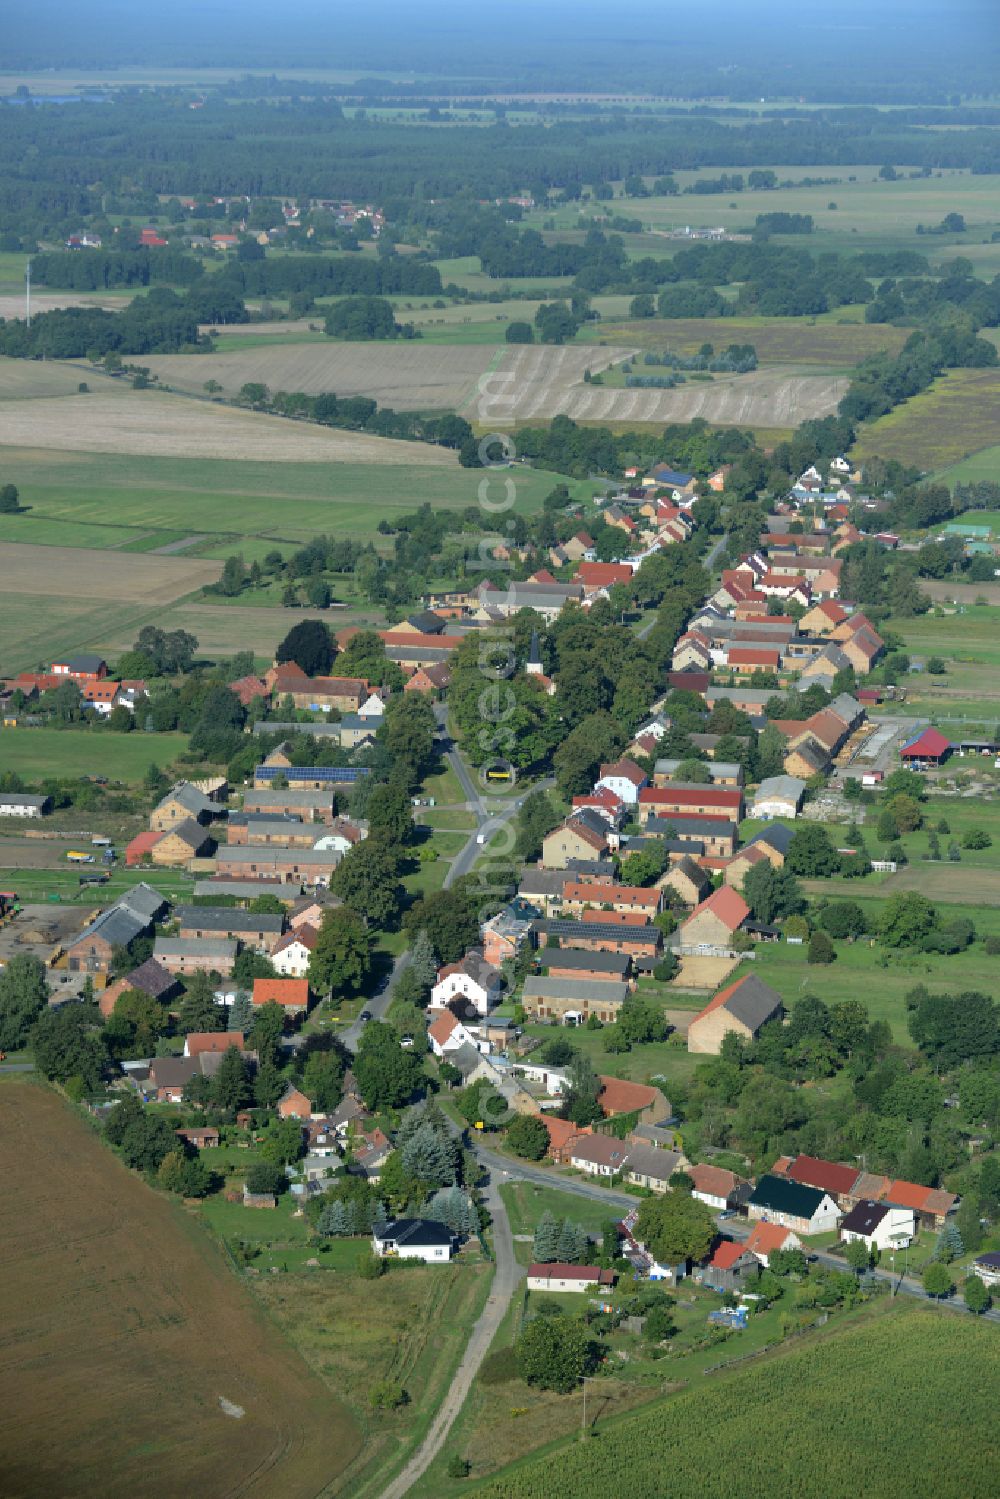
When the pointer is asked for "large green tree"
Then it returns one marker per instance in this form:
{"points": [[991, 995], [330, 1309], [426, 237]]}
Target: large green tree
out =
{"points": [[367, 880], [341, 959], [23, 995], [555, 1353], [310, 646], [386, 1074], [676, 1227]]}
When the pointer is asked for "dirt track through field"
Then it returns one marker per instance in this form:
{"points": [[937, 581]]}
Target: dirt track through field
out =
{"points": [[123, 1333], [151, 423]]}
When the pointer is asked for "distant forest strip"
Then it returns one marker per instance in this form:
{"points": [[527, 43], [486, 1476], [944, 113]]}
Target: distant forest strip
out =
{"points": [[64, 159]]}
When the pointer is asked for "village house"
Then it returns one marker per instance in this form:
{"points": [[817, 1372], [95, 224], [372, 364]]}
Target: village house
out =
{"points": [[302, 866], [413, 1239], [726, 773], [543, 888], [18, 804], [293, 1104], [181, 803], [686, 799], [261, 829], [291, 994], [878, 1225], [766, 1238], [622, 900], [695, 833], [197, 1042], [290, 956], [619, 1096], [92, 949], [731, 1267], [715, 922], [177, 846], [741, 863], [446, 1033], [186, 955], [201, 1137], [258, 931], [472, 979], [579, 963], [316, 694], [583, 836], [598, 1155], [987, 1267], [806, 1210], [744, 1007], [778, 796], [624, 779], [605, 931], [718, 1188], [573, 1001], [648, 1167], [150, 978], [559, 1277], [506, 933], [687, 880], [280, 801]]}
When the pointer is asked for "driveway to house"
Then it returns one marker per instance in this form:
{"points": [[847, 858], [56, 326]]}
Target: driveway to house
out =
{"points": [[506, 1278]]}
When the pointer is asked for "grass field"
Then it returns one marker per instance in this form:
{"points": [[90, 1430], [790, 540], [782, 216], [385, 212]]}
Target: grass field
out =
{"points": [[410, 1326], [982, 465], [123, 1330], [526, 1203], [781, 1422], [35, 753], [940, 427]]}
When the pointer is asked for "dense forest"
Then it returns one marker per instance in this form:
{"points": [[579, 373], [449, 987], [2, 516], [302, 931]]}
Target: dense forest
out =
{"points": [[59, 162]]}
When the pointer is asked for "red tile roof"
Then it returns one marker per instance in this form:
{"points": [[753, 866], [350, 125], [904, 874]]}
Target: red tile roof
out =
{"points": [[696, 796], [291, 992], [620, 1097], [209, 1041], [442, 1027], [603, 574], [765, 1238], [556, 1270], [752, 656], [714, 1181], [827, 1176], [732, 910], [726, 1255]]}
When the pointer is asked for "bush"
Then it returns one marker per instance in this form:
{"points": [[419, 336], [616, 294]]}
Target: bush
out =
{"points": [[976, 838], [387, 1395], [821, 949], [457, 1467], [370, 1265]]}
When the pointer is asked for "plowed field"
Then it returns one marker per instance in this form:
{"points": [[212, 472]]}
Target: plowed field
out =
{"points": [[123, 1333]]}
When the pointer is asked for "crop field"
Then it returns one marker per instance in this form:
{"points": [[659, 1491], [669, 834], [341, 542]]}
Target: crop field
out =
{"points": [[55, 599], [780, 1422], [124, 1333], [153, 423], [532, 381], [26, 379], [831, 345], [940, 427], [405, 376]]}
